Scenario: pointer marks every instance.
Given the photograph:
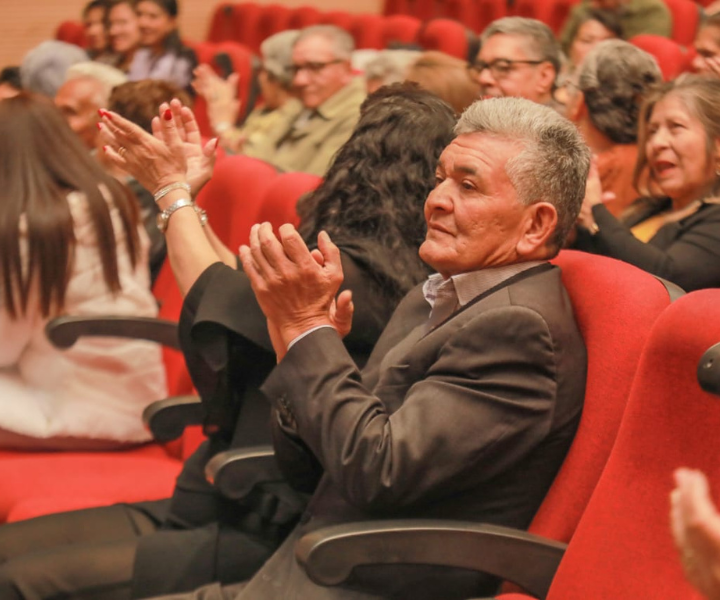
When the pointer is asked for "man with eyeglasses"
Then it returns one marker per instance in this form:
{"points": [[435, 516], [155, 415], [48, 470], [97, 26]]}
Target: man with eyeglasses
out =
{"points": [[331, 96], [519, 57]]}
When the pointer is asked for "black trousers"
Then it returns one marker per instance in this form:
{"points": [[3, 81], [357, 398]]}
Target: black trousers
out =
{"points": [[86, 554], [126, 552]]}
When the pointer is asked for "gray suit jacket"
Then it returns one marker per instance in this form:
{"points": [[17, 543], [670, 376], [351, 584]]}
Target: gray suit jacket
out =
{"points": [[469, 421]]}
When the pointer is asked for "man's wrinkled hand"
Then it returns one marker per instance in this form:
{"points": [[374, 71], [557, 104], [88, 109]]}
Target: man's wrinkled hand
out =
{"points": [[296, 288]]}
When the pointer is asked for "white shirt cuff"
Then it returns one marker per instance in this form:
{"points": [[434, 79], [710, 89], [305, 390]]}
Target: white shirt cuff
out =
{"points": [[308, 332]]}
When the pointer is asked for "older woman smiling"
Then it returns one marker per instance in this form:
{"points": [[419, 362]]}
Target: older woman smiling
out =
{"points": [[679, 164]]}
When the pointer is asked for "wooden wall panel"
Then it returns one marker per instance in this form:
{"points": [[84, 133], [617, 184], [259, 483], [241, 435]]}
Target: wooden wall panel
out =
{"points": [[26, 23]]}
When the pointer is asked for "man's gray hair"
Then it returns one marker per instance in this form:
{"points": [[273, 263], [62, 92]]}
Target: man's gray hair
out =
{"points": [[343, 43], [276, 53], [43, 68], [554, 161], [106, 76], [540, 40], [614, 78]]}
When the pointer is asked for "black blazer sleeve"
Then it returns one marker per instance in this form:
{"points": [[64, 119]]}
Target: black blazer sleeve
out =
{"points": [[686, 252]]}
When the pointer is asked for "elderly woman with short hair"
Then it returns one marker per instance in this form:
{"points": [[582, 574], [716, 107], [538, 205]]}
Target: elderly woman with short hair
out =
{"points": [[604, 101], [673, 232]]}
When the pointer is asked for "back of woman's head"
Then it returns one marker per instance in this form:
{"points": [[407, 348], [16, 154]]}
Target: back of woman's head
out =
{"points": [[43, 161], [614, 79], [699, 96], [374, 192]]}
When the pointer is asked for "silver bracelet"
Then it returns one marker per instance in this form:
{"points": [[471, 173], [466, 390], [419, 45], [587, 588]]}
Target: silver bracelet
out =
{"points": [[163, 218], [179, 185]]}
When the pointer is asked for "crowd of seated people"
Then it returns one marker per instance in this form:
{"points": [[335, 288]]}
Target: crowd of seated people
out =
{"points": [[569, 140]]}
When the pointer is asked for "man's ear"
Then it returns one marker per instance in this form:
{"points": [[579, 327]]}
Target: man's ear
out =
{"points": [[541, 221], [546, 78]]}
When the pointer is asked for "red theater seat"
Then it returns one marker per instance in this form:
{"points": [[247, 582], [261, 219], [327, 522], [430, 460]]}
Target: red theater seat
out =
{"points": [[671, 57]]}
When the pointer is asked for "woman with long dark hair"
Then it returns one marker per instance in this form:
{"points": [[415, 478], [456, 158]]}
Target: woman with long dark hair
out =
{"points": [[69, 244]]}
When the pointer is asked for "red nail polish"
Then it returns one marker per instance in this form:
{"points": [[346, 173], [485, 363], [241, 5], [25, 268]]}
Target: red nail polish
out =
{"points": [[217, 141], [167, 115], [105, 149], [101, 112], [99, 125]]}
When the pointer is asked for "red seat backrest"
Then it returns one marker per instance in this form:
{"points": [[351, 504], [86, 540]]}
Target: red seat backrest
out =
{"points": [[615, 305], [686, 16], [401, 29], [245, 18], [367, 30], [275, 18], [445, 35], [222, 23], [475, 14], [71, 32], [397, 7], [233, 196], [243, 62], [623, 547], [553, 13], [304, 16], [672, 58], [339, 18], [278, 206]]}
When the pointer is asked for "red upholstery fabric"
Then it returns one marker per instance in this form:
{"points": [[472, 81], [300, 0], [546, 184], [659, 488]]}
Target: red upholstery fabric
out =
{"points": [[400, 29], [623, 547], [424, 9], [233, 196], [243, 63], [615, 306], [685, 20], [367, 30], [246, 22], [273, 19], [397, 7], [44, 483], [339, 18], [222, 23], [552, 12], [672, 58], [304, 16], [278, 206], [71, 32], [445, 35], [475, 14]]}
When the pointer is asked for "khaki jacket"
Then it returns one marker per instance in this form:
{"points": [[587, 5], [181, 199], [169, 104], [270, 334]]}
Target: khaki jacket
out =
{"points": [[313, 138]]}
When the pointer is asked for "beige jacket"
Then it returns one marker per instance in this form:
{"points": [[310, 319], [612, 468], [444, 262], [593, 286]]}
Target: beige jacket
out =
{"points": [[313, 138]]}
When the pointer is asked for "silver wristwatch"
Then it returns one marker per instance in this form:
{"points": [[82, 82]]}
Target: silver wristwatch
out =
{"points": [[164, 217]]}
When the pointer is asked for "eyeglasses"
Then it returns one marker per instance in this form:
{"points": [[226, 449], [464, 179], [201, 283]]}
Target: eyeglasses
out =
{"points": [[311, 67], [500, 67]]}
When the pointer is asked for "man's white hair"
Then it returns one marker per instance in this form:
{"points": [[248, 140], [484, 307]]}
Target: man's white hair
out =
{"points": [[106, 76]]}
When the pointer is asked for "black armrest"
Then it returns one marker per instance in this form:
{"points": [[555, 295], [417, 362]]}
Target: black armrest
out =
{"points": [[63, 332], [235, 472], [708, 371], [167, 418], [330, 554]]}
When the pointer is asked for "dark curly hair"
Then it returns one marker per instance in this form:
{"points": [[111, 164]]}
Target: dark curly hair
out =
{"points": [[373, 194]]}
